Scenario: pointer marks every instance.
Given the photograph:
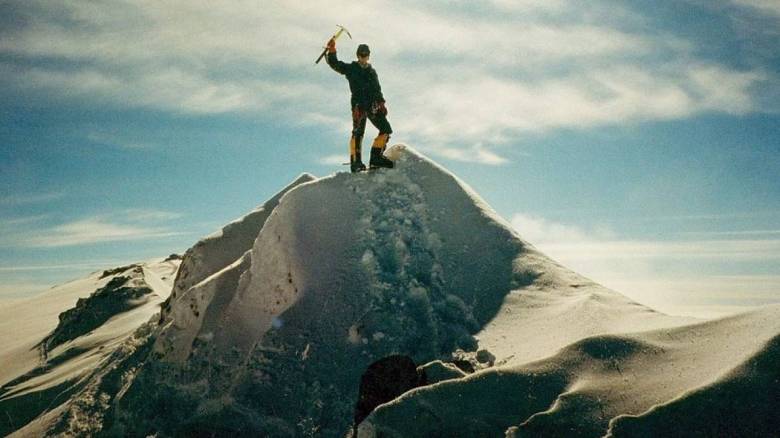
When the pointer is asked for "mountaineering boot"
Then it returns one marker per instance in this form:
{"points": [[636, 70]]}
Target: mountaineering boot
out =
{"points": [[355, 160], [356, 166], [379, 160], [377, 150]]}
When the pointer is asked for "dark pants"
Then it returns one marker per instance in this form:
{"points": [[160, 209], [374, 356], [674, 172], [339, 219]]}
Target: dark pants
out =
{"points": [[359, 116]]}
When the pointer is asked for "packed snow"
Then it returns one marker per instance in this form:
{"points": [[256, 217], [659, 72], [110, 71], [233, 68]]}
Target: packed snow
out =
{"points": [[273, 320], [51, 343]]}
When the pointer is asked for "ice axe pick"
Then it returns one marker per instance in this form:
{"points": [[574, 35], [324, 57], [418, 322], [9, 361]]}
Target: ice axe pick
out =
{"points": [[335, 37]]}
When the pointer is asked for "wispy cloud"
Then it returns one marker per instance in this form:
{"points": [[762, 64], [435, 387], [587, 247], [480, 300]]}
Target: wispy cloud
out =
{"points": [[133, 224], [477, 153], [769, 6], [672, 275], [148, 215], [459, 76], [574, 243], [540, 231], [31, 198], [733, 233], [713, 216], [13, 222], [168, 89], [488, 108], [745, 250], [90, 231]]}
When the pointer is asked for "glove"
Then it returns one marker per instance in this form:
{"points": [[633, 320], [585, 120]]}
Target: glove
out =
{"points": [[331, 46], [379, 107]]}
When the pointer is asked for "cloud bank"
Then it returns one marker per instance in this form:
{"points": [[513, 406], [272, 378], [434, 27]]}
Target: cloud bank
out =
{"points": [[675, 276], [461, 76]]}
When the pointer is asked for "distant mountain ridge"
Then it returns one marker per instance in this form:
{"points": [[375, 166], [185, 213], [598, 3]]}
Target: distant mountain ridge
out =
{"points": [[51, 351]]}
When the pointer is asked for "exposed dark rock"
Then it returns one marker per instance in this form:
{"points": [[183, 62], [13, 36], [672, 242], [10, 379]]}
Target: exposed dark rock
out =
{"points": [[109, 272], [119, 295], [385, 380]]}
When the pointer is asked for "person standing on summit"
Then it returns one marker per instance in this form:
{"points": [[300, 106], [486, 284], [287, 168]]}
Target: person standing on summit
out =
{"points": [[367, 103]]}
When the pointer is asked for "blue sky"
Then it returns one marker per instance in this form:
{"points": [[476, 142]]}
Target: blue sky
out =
{"points": [[635, 141]]}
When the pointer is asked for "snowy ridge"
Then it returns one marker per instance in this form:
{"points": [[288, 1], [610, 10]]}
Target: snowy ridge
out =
{"points": [[126, 290], [638, 384], [742, 402], [211, 268], [381, 230], [58, 348], [225, 246], [348, 269], [188, 318], [210, 271], [279, 314]]}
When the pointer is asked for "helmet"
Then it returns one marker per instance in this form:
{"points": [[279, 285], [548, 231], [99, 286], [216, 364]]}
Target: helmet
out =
{"points": [[363, 50]]}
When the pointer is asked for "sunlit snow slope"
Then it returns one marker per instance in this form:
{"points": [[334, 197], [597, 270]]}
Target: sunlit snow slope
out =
{"points": [[52, 343], [273, 320]]}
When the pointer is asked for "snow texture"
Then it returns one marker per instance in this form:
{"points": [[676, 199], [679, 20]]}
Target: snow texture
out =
{"points": [[52, 345], [209, 272], [352, 268], [682, 381], [274, 319], [225, 246]]}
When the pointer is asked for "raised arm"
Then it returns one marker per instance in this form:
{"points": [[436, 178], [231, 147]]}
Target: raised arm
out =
{"points": [[333, 60]]}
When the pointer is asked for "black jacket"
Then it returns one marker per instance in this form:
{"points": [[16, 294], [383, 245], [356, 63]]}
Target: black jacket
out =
{"points": [[363, 82]]}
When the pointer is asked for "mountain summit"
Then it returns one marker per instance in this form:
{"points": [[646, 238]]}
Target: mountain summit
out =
{"points": [[273, 320]]}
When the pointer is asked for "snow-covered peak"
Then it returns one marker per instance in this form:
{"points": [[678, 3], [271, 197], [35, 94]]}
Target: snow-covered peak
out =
{"points": [[277, 316], [332, 274], [407, 260], [413, 241]]}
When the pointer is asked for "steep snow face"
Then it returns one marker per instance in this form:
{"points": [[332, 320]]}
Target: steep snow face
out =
{"points": [[208, 278], [354, 267], [407, 259], [345, 270], [224, 247], [189, 318]]}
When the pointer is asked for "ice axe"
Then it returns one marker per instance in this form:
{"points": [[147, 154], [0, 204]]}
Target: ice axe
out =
{"points": [[335, 37]]}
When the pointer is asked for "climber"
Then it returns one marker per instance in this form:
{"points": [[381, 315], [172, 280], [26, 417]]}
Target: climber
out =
{"points": [[367, 103]]}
